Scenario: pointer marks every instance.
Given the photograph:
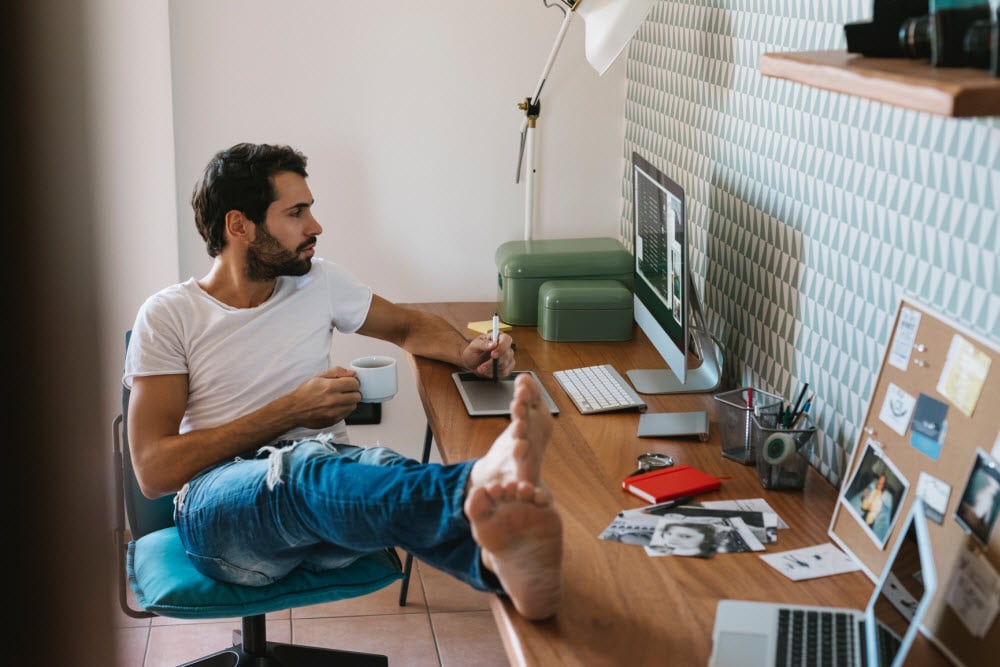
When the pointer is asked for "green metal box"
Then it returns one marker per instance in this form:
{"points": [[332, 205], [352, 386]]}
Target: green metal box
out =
{"points": [[522, 267], [584, 310]]}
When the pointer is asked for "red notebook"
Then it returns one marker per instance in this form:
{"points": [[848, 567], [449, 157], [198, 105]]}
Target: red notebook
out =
{"points": [[657, 486]]}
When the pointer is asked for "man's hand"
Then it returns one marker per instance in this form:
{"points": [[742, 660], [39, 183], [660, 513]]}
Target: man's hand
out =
{"points": [[328, 397], [479, 354]]}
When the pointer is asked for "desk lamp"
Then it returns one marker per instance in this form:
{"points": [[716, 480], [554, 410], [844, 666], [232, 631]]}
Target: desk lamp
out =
{"points": [[609, 25]]}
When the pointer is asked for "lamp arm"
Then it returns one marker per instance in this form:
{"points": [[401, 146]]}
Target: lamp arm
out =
{"points": [[560, 36], [532, 109]]}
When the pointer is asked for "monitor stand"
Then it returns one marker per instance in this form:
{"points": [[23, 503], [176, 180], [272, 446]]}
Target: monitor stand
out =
{"points": [[706, 377]]}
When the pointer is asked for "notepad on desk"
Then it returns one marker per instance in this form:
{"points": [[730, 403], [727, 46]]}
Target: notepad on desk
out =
{"points": [[486, 326], [663, 484]]}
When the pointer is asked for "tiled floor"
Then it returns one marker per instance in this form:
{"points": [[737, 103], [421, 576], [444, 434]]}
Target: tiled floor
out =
{"points": [[444, 623]]}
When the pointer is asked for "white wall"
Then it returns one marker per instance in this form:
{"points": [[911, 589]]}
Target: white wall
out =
{"points": [[133, 167], [408, 114]]}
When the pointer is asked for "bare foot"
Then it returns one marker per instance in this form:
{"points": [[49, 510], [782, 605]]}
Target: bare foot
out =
{"points": [[516, 455], [520, 534]]}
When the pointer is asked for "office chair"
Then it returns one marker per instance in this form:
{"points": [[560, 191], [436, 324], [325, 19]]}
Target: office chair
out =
{"points": [[154, 564]]}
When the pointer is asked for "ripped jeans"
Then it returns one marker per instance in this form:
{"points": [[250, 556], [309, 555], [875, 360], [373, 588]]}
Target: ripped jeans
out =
{"points": [[322, 505]]}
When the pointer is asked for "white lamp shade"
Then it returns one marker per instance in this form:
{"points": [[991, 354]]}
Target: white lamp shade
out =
{"points": [[610, 25]]}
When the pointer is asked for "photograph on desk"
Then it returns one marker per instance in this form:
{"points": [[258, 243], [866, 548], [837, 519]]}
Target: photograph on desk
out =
{"points": [[689, 531], [763, 524], [977, 511], [701, 537], [875, 493], [630, 528]]}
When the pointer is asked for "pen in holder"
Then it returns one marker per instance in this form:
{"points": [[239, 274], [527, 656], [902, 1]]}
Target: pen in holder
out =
{"points": [[736, 410], [781, 451]]}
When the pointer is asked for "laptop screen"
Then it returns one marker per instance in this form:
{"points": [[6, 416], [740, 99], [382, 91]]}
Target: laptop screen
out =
{"points": [[905, 588]]}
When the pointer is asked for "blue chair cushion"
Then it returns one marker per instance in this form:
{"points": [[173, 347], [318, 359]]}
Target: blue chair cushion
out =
{"points": [[166, 583]]}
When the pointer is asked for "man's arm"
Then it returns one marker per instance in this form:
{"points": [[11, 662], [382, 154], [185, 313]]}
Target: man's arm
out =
{"points": [[427, 335], [164, 460]]}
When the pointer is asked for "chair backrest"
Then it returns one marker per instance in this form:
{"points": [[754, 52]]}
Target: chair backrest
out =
{"points": [[144, 515]]}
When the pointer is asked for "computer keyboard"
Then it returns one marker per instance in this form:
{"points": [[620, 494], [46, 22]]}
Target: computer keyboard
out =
{"points": [[598, 389]]}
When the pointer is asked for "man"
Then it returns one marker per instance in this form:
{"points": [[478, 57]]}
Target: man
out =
{"points": [[234, 406]]}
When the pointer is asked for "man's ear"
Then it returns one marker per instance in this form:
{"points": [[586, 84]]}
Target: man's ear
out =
{"points": [[239, 227]]}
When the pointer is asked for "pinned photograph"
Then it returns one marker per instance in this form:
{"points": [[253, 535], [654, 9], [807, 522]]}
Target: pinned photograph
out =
{"points": [[875, 493], [977, 511]]}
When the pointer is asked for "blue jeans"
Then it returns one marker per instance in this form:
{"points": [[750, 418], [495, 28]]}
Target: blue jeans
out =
{"points": [[322, 505]]}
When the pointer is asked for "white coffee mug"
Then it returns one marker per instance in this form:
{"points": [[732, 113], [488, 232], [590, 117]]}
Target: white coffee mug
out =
{"points": [[377, 375]]}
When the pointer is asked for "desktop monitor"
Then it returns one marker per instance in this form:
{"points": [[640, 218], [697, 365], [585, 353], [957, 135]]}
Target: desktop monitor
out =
{"points": [[666, 301]]}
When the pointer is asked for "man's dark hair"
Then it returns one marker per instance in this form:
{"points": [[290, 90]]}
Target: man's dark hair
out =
{"points": [[239, 178]]}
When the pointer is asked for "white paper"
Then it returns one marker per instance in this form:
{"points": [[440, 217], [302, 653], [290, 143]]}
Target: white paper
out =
{"points": [[974, 592], [934, 493], [821, 560], [746, 505], [902, 342], [964, 374], [897, 408]]}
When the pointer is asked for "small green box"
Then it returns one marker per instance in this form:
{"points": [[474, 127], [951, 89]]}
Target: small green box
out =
{"points": [[522, 267], [584, 310]]}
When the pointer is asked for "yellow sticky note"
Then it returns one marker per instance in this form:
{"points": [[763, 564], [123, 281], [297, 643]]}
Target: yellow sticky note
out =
{"points": [[486, 326]]}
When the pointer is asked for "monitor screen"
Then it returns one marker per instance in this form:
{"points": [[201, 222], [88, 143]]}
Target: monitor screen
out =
{"points": [[664, 292]]}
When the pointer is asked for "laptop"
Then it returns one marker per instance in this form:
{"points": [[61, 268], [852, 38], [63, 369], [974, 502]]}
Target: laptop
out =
{"points": [[766, 633]]}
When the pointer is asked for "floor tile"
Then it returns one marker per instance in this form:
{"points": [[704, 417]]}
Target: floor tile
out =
{"points": [[130, 646], [445, 593], [405, 638], [468, 638]]}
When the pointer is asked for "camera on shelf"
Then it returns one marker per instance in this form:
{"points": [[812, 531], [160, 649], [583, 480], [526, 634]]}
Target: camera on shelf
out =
{"points": [[948, 33], [960, 33], [880, 37], [915, 37]]}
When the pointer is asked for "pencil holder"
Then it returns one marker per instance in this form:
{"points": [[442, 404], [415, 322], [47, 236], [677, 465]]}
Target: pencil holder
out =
{"points": [[781, 452], [735, 415]]}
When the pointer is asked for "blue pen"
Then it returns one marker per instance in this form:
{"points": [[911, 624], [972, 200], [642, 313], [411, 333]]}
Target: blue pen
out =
{"points": [[805, 410]]}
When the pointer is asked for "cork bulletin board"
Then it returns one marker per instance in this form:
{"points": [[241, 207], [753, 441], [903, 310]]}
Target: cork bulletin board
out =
{"points": [[933, 431]]}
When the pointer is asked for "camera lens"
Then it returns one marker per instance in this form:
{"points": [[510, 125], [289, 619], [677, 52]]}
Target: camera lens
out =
{"points": [[915, 37], [948, 35]]}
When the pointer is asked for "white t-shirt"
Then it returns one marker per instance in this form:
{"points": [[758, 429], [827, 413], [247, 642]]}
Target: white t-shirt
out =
{"points": [[239, 359]]}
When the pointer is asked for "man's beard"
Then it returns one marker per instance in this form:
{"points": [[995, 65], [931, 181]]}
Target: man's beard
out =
{"points": [[267, 258]]}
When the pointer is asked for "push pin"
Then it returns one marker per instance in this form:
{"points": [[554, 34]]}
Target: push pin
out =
{"points": [[920, 347], [920, 362]]}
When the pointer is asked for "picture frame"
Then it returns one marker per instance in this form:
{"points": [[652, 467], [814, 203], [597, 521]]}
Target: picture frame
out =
{"points": [[979, 506], [875, 493]]}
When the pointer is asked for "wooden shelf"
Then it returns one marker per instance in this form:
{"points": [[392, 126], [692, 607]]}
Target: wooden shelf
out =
{"points": [[911, 84]]}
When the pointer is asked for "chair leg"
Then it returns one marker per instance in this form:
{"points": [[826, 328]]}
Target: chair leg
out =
{"points": [[251, 649], [255, 635], [408, 567]]}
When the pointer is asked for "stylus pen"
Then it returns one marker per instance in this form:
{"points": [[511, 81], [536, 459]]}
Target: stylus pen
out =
{"points": [[661, 508], [496, 337]]}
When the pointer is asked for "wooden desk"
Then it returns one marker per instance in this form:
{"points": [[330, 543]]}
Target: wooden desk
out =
{"points": [[621, 606]]}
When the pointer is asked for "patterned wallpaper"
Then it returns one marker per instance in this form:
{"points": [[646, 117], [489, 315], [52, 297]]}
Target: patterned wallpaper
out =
{"points": [[811, 213]]}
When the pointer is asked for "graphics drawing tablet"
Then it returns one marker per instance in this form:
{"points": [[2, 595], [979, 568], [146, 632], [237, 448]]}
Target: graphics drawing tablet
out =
{"points": [[485, 397]]}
